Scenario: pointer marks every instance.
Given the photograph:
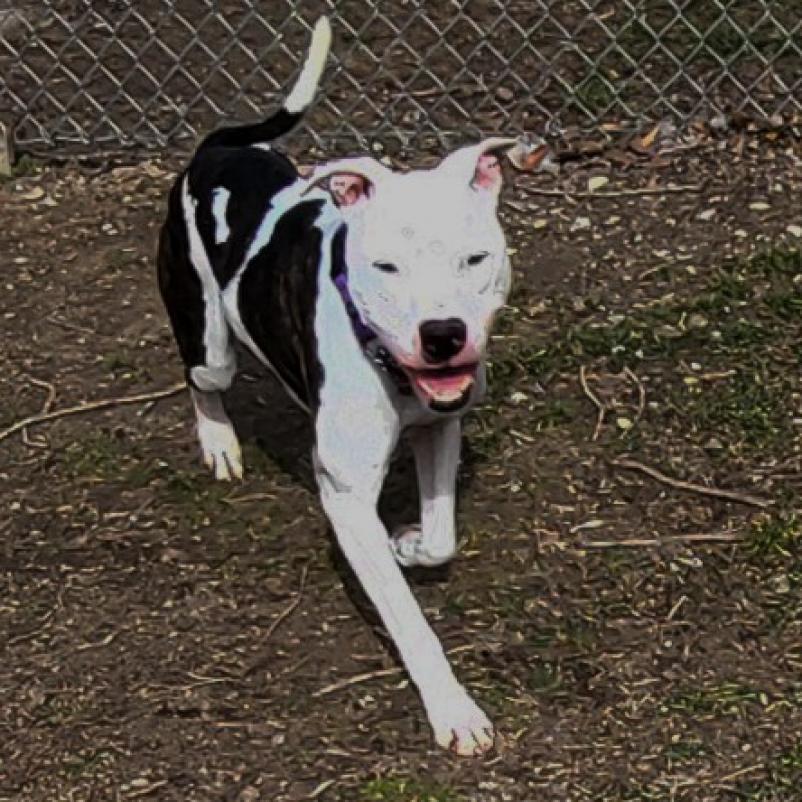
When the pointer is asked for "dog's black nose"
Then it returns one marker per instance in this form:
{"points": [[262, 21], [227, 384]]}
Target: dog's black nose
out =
{"points": [[442, 339]]}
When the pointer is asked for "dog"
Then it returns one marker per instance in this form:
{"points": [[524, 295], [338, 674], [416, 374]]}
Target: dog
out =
{"points": [[370, 295]]}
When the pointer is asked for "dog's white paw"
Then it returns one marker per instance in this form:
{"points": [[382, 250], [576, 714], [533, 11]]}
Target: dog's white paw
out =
{"points": [[406, 545], [410, 548], [460, 725], [221, 450]]}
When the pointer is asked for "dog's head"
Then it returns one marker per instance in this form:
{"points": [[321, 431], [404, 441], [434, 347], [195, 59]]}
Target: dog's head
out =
{"points": [[427, 262]]}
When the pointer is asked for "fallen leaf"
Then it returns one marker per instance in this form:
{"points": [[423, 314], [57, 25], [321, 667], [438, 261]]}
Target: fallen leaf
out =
{"points": [[34, 194], [580, 224], [528, 154], [597, 182], [649, 138]]}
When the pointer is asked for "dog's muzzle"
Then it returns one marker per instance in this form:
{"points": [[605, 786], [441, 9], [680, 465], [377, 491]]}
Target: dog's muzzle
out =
{"points": [[444, 389]]}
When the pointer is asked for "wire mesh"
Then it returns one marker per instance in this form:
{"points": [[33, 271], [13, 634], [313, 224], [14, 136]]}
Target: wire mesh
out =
{"points": [[152, 73]]}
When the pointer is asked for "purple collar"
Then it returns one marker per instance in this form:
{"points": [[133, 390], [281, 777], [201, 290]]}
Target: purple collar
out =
{"points": [[368, 339], [362, 331]]}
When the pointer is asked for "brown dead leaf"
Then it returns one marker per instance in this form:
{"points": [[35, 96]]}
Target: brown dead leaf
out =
{"points": [[530, 155], [649, 138]]}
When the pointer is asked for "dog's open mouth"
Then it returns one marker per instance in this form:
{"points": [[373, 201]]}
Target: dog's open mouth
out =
{"points": [[445, 389]]}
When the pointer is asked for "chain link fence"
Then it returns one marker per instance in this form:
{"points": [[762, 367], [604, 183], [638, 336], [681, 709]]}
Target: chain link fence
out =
{"points": [[152, 73]]}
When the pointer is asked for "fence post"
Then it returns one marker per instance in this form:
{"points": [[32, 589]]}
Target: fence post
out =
{"points": [[6, 149]]}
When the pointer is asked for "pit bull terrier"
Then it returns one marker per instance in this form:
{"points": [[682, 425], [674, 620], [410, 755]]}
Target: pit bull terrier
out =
{"points": [[370, 295]]}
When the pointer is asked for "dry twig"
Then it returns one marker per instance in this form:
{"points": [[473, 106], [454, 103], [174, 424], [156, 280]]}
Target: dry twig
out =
{"points": [[601, 409], [617, 193], [729, 495], [290, 607], [638, 542], [382, 672], [90, 406], [633, 377]]}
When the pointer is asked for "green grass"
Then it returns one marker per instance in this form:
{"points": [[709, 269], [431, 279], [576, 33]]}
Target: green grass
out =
{"points": [[684, 750], [782, 780], [99, 456], [745, 317], [121, 365], [24, 166], [595, 93], [394, 789], [198, 495], [723, 700], [780, 536], [87, 763], [106, 457], [749, 412]]}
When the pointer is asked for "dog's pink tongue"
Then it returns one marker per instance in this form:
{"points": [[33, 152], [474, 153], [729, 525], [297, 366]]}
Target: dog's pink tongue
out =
{"points": [[445, 386]]}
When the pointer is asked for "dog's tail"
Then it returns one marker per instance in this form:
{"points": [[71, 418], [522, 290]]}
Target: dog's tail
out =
{"points": [[294, 106]]}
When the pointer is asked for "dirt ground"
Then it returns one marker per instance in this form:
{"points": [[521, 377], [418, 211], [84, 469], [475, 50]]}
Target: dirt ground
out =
{"points": [[167, 637]]}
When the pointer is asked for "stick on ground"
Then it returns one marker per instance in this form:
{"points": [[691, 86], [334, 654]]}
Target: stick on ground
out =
{"points": [[382, 672], [617, 193], [90, 406], [601, 409], [729, 495], [638, 542]]}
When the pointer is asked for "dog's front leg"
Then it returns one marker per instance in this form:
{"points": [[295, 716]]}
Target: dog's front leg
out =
{"points": [[349, 490], [436, 449]]}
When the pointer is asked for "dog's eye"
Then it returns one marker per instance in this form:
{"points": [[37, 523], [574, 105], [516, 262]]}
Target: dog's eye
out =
{"points": [[386, 267], [476, 258]]}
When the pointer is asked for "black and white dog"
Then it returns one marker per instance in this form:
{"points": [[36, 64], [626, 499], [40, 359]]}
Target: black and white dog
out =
{"points": [[370, 295]]}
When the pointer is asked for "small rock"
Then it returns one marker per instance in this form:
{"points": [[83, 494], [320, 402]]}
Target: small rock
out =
{"points": [[759, 206], [597, 182], [794, 230], [780, 583], [34, 194], [580, 224], [505, 94], [719, 123], [707, 214]]}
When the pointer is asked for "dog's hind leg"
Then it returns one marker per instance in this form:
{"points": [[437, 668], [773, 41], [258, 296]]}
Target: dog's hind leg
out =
{"points": [[436, 449], [195, 307]]}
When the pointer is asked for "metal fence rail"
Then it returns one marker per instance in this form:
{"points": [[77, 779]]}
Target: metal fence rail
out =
{"points": [[151, 72]]}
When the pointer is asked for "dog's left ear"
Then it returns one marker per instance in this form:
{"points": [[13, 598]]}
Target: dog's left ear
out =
{"points": [[479, 166]]}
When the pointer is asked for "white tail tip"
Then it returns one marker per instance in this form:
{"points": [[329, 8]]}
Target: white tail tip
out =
{"points": [[303, 93]]}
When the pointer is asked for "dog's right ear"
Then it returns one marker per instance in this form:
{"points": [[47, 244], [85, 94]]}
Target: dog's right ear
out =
{"points": [[350, 182]]}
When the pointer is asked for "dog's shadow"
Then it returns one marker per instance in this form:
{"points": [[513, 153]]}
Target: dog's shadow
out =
{"points": [[266, 419]]}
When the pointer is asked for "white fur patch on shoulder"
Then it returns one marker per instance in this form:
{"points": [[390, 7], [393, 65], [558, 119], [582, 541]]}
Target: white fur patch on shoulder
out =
{"points": [[220, 198]]}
